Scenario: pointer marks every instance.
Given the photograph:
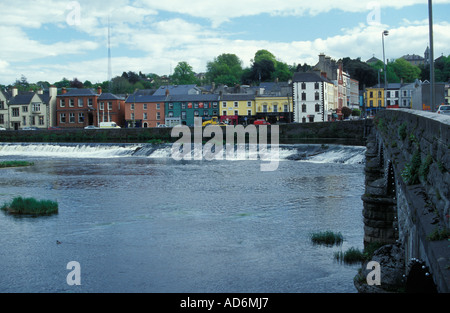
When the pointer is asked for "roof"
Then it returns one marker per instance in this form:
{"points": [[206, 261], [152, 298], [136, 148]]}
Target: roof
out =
{"points": [[143, 98], [82, 92], [308, 77], [177, 90], [238, 97], [193, 98], [109, 96], [23, 98]]}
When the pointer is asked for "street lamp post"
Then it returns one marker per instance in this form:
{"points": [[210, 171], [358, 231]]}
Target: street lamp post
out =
{"points": [[384, 33]]}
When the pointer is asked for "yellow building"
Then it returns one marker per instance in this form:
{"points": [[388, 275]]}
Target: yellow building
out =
{"points": [[274, 108], [237, 104], [374, 98]]}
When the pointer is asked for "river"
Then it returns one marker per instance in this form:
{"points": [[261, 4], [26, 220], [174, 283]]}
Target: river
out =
{"points": [[136, 220]]}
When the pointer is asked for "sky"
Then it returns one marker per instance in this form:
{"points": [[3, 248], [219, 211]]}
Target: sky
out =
{"points": [[55, 39]]}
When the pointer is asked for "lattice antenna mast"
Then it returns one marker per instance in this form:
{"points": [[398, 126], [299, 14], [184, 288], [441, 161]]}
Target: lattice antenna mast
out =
{"points": [[109, 58]]}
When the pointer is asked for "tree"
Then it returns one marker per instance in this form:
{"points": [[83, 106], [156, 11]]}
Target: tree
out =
{"points": [[405, 70], [75, 83], [225, 69], [365, 74], [390, 73], [64, 83], [346, 111], [183, 74]]}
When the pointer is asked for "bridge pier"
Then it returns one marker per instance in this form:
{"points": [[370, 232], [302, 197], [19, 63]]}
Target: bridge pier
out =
{"points": [[407, 193]]}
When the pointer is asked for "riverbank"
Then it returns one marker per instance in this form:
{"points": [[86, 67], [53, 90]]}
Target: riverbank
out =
{"points": [[343, 133]]}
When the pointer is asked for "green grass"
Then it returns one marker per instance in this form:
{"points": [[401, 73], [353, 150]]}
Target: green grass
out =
{"points": [[327, 238], [31, 206], [15, 164], [354, 255]]}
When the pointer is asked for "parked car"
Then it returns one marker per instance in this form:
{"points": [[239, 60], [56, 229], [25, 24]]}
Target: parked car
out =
{"points": [[162, 125], [444, 109], [30, 128], [261, 122], [2, 128], [91, 127], [54, 128]]}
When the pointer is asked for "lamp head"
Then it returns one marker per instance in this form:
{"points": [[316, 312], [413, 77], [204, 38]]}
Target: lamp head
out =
{"points": [[386, 32]]}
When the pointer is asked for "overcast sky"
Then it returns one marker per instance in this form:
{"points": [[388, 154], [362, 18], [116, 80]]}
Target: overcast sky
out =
{"points": [[51, 39]]}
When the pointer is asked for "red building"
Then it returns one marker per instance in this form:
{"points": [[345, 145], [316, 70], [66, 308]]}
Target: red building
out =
{"points": [[78, 108]]}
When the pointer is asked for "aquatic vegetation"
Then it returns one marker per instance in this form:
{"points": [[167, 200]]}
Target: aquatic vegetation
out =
{"points": [[31, 206]]}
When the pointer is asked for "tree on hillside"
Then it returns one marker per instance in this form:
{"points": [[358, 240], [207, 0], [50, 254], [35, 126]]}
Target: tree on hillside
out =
{"points": [[361, 71], [75, 83], [391, 75], [405, 70], [225, 69], [183, 74]]}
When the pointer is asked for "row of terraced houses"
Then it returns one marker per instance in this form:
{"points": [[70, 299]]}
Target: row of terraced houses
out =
{"points": [[315, 96]]}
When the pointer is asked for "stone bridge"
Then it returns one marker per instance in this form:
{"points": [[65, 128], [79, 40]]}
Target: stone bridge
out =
{"points": [[407, 195]]}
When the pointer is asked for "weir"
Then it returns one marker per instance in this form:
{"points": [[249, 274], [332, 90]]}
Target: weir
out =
{"points": [[407, 194]]}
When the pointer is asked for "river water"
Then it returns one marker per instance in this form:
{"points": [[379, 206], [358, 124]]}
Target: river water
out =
{"points": [[136, 220]]}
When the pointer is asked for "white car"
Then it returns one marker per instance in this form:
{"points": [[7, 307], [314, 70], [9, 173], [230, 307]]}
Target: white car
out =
{"points": [[444, 109], [2, 128], [91, 127]]}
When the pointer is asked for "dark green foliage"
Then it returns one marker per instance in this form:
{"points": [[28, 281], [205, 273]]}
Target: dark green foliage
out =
{"points": [[412, 170], [31, 206], [327, 238], [15, 164], [402, 131]]}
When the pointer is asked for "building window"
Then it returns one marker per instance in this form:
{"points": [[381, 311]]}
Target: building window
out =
{"points": [[196, 105], [62, 103], [2, 119], [249, 112], [286, 108], [41, 120], [25, 108], [158, 116], [32, 120], [304, 108], [71, 103], [303, 119], [2, 105], [317, 96], [371, 94], [236, 112], [303, 86], [215, 105], [132, 116], [145, 116], [36, 107], [224, 104], [110, 106], [303, 96], [102, 106], [90, 102], [311, 118], [81, 118], [316, 85], [24, 120], [183, 115], [275, 108], [317, 107], [80, 103], [224, 113], [196, 113], [145, 106], [371, 103], [158, 106], [206, 105], [132, 106], [62, 118], [71, 117], [170, 114], [170, 106], [15, 112], [205, 113], [183, 106], [379, 94], [249, 103], [236, 104], [264, 107]]}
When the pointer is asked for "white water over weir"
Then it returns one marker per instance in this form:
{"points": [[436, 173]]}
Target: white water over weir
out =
{"points": [[298, 152]]}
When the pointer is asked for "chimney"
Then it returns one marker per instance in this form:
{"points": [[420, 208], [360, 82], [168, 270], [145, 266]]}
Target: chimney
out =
{"points": [[14, 92], [167, 92], [63, 90], [99, 90], [321, 58], [52, 91], [40, 91]]}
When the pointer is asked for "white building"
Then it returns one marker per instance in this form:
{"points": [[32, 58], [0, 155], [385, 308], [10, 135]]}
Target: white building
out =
{"points": [[32, 109], [311, 98]]}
